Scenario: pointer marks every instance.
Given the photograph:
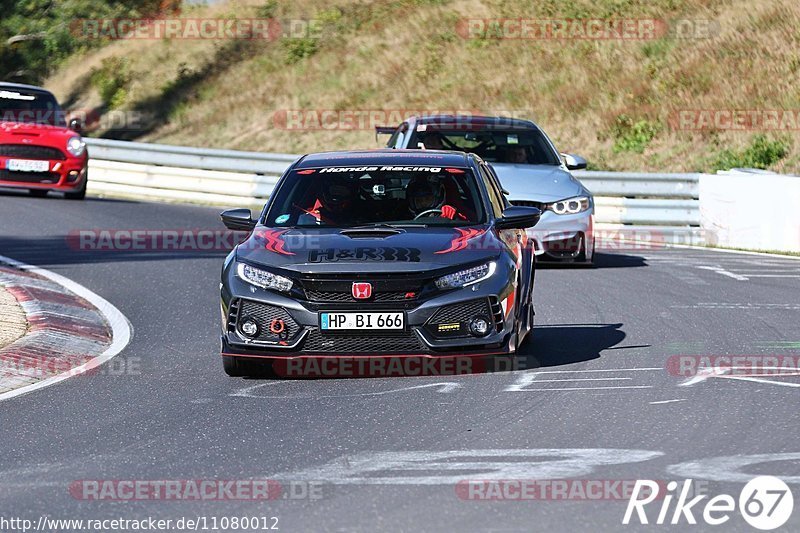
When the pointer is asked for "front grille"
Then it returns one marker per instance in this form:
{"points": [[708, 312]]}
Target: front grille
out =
{"points": [[528, 203], [31, 152], [29, 177], [407, 343], [263, 315], [448, 316], [340, 296]]}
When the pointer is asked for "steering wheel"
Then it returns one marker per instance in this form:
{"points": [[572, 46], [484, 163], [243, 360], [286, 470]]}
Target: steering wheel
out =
{"points": [[428, 213]]}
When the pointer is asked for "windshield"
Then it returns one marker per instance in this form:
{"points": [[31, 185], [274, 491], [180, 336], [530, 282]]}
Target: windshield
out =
{"points": [[30, 107], [523, 146], [369, 196]]}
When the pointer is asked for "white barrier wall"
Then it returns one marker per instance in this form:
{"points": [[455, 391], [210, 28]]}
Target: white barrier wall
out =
{"points": [[752, 210]]}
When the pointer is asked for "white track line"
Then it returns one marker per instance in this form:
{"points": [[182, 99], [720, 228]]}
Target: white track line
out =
{"points": [[555, 389], [120, 328], [596, 370], [727, 251], [720, 270]]}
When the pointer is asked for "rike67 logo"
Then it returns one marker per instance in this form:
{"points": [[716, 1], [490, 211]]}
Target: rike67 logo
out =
{"points": [[765, 503]]}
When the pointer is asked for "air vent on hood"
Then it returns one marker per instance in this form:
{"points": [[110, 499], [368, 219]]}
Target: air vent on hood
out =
{"points": [[370, 233]]}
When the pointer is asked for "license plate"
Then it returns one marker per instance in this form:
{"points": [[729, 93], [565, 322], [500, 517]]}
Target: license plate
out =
{"points": [[361, 321], [27, 165]]}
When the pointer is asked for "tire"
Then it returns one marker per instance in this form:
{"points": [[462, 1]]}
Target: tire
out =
{"points": [[77, 195], [239, 367], [580, 260], [233, 366], [38, 193]]}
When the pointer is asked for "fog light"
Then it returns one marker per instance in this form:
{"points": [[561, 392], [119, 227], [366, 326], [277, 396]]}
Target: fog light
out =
{"points": [[72, 175], [250, 328], [479, 326]]}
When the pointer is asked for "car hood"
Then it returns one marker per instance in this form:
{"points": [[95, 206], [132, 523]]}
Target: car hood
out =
{"points": [[413, 250], [38, 134], [538, 183]]}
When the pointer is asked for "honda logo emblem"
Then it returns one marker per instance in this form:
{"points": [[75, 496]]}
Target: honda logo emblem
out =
{"points": [[362, 291]]}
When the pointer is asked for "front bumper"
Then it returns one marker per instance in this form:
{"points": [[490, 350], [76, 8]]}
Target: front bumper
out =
{"points": [[435, 327], [67, 175], [564, 237]]}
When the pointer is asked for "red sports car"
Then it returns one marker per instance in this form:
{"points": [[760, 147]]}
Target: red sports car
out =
{"points": [[38, 151]]}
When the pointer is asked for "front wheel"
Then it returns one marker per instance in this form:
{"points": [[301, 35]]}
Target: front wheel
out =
{"points": [[239, 367], [77, 195], [233, 367]]}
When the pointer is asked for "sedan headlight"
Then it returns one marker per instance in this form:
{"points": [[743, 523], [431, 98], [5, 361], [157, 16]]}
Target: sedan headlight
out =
{"points": [[262, 278], [76, 146], [466, 277], [570, 206]]}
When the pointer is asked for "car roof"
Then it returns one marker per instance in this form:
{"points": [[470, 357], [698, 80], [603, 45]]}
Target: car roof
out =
{"points": [[385, 157], [465, 121], [22, 86]]}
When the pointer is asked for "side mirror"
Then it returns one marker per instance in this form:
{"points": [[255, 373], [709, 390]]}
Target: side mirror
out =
{"points": [[574, 162], [518, 217], [76, 125], [238, 219]]}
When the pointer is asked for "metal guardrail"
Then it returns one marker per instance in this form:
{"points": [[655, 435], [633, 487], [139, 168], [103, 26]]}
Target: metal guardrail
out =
{"points": [[246, 179]]}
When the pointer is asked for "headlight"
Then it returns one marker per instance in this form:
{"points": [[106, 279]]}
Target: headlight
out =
{"points": [[466, 277], [570, 206], [262, 278], [76, 146]]}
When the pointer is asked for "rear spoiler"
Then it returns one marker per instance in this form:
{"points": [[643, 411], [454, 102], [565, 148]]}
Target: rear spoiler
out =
{"points": [[384, 130]]}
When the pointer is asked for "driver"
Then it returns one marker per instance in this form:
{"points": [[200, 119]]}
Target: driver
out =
{"points": [[338, 196], [427, 198], [514, 154], [433, 141]]}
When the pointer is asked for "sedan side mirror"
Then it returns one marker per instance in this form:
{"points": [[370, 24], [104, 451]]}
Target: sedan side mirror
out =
{"points": [[518, 217], [574, 162], [76, 125], [238, 219]]}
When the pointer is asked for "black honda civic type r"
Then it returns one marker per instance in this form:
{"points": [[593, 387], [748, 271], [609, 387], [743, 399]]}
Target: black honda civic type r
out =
{"points": [[376, 254]]}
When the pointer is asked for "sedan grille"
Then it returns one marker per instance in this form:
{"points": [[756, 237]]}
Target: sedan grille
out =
{"points": [[528, 203], [29, 177], [407, 343], [31, 152], [340, 296]]}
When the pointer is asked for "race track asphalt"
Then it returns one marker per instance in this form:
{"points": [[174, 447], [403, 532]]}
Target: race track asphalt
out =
{"points": [[595, 400]]}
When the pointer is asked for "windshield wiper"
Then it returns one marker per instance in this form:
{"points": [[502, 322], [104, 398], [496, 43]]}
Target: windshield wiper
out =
{"points": [[385, 225]]}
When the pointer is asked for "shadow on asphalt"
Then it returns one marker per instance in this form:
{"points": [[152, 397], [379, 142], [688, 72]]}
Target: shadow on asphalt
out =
{"points": [[563, 344], [602, 260]]}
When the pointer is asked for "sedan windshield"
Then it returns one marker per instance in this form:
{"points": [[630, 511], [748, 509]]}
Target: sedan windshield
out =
{"points": [[522, 146], [348, 197], [30, 107]]}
